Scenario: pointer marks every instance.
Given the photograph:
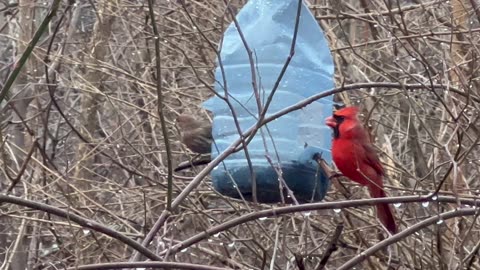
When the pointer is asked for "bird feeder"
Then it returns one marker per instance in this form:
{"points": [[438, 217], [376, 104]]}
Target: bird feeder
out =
{"points": [[281, 153]]}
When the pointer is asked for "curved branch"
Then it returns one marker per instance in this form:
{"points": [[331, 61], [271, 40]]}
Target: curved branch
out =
{"points": [[311, 207], [410, 230], [87, 223]]}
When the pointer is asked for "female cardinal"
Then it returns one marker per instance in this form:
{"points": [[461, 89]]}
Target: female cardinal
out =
{"points": [[355, 157], [195, 134]]}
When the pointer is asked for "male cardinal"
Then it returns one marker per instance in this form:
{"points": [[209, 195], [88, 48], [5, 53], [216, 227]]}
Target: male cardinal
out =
{"points": [[195, 134], [355, 157]]}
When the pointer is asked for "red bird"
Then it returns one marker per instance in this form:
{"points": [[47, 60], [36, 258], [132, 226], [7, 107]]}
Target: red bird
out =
{"points": [[355, 157]]}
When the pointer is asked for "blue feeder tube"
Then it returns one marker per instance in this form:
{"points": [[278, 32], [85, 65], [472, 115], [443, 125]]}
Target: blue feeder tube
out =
{"points": [[291, 140]]}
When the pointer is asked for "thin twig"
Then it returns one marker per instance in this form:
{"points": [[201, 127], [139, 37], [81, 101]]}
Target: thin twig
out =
{"points": [[160, 105], [28, 51], [332, 247]]}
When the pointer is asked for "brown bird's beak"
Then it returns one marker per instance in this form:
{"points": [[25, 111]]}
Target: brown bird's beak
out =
{"points": [[330, 121]]}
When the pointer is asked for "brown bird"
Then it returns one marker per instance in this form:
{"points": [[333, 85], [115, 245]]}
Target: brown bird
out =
{"points": [[195, 134]]}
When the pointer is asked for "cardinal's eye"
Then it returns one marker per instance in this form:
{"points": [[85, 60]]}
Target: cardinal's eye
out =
{"points": [[339, 118]]}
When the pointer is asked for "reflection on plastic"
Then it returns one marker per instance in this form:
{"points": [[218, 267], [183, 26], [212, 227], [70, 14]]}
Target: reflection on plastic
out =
{"points": [[292, 140]]}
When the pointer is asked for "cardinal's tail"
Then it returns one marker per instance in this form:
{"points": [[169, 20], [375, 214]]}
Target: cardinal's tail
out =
{"points": [[384, 212]]}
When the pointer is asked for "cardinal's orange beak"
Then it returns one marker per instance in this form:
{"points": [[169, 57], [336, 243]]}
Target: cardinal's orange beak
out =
{"points": [[330, 121]]}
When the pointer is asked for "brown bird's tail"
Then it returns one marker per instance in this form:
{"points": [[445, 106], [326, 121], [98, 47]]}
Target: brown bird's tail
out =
{"points": [[384, 212]]}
